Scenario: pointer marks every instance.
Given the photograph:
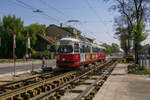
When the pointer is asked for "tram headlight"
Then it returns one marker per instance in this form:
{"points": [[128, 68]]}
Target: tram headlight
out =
{"points": [[63, 59]]}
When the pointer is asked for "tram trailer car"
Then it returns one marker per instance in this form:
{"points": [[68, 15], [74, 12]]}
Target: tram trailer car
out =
{"points": [[72, 52]]}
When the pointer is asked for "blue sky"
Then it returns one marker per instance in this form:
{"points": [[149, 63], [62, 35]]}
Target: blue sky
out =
{"points": [[95, 19]]}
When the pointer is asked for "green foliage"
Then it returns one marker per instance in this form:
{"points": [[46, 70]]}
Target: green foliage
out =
{"points": [[124, 45], [140, 70], [145, 49], [53, 47], [115, 48], [46, 53], [122, 35], [139, 35], [34, 30], [108, 48], [8, 25]]}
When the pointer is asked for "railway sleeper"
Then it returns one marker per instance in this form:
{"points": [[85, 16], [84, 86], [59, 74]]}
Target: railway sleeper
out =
{"points": [[7, 90], [61, 80], [55, 83], [16, 97], [54, 86], [82, 83], [73, 84], [61, 92], [48, 87], [43, 89], [35, 92], [86, 98], [31, 93], [57, 95], [38, 91], [67, 87], [52, 98], [9, 98], [81, 80], [89, 96], [25, 96]]}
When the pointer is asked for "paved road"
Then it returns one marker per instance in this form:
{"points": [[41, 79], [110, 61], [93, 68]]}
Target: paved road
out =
{"points": [[8, 68], [123, 86]]}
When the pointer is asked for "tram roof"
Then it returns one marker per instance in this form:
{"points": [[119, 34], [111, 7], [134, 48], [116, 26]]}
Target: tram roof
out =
{"points": [[71, 39], [98, 46]]}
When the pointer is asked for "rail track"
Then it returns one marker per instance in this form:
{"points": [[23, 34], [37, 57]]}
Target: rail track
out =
{"points": [[47, 86], [82, 87], [20, 83]]}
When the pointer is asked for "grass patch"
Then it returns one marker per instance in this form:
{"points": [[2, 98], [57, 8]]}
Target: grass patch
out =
{"points": [[17, 60], [139, 70]]}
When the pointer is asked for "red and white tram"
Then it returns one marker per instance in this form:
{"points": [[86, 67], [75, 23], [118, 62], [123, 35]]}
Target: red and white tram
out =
{"points": [[72, 52]]}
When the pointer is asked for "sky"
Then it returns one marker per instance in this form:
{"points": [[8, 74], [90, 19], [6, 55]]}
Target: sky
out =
{"points": [[95, 19]]}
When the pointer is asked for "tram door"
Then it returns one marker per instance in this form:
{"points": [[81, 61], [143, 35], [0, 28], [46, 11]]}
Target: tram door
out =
{"points": [[82, 54]]}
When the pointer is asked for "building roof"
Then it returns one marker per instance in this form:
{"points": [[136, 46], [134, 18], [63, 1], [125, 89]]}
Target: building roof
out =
{"points": [[57, 32], [48, 38]]}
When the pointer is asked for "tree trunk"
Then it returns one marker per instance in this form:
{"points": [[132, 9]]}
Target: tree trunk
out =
{"points": [[136, 54]]}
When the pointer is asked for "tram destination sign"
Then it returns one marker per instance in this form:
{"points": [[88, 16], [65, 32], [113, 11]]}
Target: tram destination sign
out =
{"points": [[65, 42]]}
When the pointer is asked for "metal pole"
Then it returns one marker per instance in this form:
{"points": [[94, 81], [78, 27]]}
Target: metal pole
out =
{"points": [[149, 64], [14, 57], [27, 50], [32, 67], [14, 46]]}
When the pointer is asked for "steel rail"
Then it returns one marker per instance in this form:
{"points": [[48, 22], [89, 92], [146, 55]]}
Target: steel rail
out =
{"points": [[24, 82], [62, 85], [93, 84], [30, 86]]}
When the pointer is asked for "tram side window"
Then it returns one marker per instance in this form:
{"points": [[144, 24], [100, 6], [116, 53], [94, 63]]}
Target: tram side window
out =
{"points": [[76, 47], [88, 49], [95, 50], [103, 51], [82, 49], [100, 50]]}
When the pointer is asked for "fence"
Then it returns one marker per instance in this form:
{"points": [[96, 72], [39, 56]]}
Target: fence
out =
{"points": [[144, 61]]}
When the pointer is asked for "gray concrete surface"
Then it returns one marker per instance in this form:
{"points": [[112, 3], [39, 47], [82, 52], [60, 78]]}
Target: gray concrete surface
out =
{"points": [[123, 86]]}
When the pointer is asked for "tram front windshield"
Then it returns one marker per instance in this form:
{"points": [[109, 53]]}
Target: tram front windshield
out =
{"points": [[65, 49]]}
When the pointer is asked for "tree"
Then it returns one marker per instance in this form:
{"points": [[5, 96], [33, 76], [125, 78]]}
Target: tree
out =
{"points": [[115, 48], [35, 30], [108, 48], [8, 25], [53, 47], [134, 14], [122, 35], [144, 49]]}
